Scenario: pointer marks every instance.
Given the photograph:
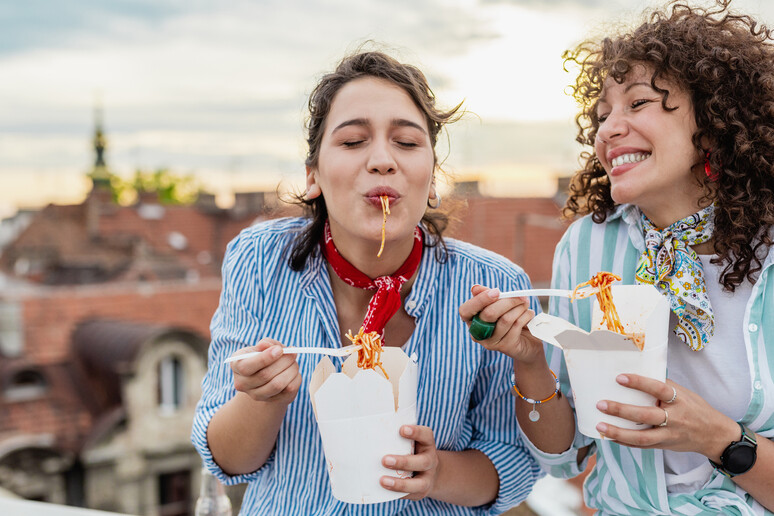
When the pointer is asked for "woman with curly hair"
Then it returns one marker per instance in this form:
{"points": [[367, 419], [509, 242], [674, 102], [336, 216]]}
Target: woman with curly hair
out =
{"points": [[676, 190]]}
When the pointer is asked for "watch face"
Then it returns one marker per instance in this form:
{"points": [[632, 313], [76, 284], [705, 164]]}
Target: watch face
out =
{"points": [[740, 458]]}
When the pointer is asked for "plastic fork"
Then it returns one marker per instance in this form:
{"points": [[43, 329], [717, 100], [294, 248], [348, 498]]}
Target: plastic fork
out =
{"points": [[300, 350], [482, 330], [580, 294]]}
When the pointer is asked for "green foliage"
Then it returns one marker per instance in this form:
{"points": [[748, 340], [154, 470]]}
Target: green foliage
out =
{"points": [[170, 188]]}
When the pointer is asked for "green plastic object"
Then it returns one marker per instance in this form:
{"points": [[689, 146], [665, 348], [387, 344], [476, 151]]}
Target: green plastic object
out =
{"points": [[481, 330]]}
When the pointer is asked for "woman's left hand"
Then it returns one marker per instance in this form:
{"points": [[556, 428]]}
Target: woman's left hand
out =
{"points": [[423, 463], [686, 414]]}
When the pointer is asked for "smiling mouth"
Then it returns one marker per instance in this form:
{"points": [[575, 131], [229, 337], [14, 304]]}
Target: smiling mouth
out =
{"points": [[633, 157]]}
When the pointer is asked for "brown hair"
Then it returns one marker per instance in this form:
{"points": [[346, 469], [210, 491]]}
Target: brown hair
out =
{"points": [[725, 61], [358, 65]]}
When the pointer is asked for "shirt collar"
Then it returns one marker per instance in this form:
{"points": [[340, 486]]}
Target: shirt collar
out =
{"points": [[632, 217]]}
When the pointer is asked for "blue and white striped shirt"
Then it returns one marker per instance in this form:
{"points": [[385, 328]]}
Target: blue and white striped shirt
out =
{"points": [[464, 390], [631, 481]]}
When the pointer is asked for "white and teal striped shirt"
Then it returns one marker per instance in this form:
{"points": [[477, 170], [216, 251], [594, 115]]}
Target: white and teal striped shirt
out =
{"points": [[629, 481], [464, 390]]}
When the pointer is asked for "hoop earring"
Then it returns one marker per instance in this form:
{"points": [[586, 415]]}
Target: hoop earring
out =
{"points": [[437, 202]]}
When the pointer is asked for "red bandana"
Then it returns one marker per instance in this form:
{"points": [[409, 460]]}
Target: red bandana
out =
{"points": [[386, 302]]}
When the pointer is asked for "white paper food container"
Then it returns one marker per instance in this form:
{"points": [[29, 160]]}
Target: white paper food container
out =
{"points": [[595, 359], [359, 414]]}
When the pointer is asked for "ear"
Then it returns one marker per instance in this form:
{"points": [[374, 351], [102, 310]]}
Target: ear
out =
{"points": [[312, 188]]}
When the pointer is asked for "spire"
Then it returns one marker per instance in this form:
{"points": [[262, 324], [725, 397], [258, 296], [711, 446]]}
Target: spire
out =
{"points": [[99, 174]]}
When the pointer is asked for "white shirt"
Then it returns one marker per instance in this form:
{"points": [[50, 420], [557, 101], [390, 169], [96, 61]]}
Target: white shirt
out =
{"points": [[719, 373]]}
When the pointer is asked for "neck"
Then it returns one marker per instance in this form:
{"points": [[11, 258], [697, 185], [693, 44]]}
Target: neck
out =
{"points": [[362, 254], [353, 300], [664, 216]]}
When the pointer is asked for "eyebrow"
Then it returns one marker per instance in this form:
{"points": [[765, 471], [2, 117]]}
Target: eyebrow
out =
{"points": [[363, 122], [628, 87]]}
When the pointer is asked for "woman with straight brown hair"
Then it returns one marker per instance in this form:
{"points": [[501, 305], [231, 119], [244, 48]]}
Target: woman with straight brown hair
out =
{"points": [[306, 281]]}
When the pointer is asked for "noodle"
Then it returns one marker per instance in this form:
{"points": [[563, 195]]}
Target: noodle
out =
{"points": [[370, 352], [602, 280], [369, 355], [385, 211]]}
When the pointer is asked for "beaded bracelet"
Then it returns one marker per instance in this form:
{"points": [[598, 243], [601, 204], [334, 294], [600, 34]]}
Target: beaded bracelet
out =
{"points": [[534, 415]]}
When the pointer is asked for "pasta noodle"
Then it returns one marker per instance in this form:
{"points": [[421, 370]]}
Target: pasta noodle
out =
{"points": [[370, 353], [603, 280], [385, 211]]}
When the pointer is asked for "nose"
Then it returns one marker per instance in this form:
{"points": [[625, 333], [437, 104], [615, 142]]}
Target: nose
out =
{"points": [[380, 159], [614, 126]]}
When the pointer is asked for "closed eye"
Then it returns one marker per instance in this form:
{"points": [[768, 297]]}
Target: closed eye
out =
{"points": [[351, 144]]}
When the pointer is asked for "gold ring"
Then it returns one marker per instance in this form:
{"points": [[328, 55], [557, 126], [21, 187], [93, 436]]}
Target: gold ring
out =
{"points": [[674, 395], [666, 418]]}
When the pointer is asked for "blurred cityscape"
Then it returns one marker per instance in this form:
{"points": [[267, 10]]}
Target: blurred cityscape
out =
{"points": [[104, 328]]}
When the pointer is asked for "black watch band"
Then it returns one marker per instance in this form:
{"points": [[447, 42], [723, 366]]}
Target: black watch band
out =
{"points": [[739, 456]]}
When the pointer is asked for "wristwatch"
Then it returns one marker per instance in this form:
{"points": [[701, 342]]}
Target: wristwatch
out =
{"points": [[739, 457]]}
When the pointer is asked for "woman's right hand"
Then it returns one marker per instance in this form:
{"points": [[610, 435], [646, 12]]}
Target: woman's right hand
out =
{"points": [[511, 336], [269, 376]]}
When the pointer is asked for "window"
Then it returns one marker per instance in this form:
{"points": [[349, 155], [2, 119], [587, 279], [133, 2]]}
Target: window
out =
{"points": [[25, 384], [175, 494], [171, 392]]}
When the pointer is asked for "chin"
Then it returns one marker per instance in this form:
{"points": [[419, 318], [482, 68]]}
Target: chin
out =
{"points": [[622, 195]]}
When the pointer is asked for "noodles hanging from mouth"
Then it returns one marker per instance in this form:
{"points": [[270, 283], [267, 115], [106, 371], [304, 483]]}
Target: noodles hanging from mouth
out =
{"points": [[370, 354], [385, 211]]}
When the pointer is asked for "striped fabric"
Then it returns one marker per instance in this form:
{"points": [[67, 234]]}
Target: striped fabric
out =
{"points": [[629, 481], [463, 396]]}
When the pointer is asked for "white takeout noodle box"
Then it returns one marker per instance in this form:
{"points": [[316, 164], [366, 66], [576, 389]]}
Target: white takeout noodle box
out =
{"points": [[359, 414], [595, 358]]}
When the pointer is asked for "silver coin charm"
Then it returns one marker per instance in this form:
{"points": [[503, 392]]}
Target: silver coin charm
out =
{"points": [[534, 415]]}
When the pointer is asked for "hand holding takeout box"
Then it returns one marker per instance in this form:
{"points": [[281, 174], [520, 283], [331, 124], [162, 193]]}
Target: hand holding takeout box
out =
{"points": [[595, 358], [359, 414]]}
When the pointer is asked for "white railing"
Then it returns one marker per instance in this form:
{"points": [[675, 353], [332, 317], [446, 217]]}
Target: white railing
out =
{"points": [[17, 507]]}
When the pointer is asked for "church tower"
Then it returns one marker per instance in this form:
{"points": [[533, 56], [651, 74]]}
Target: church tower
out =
{"points": [[100, 199], [99, 174]]}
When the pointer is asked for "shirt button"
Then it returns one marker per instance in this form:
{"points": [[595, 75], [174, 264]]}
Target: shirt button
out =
{"points": [[411, 304], [758, 385], [753, 327]]}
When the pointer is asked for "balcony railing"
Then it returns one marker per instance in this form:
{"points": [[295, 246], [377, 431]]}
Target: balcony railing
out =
{"points": [[14, 507]]}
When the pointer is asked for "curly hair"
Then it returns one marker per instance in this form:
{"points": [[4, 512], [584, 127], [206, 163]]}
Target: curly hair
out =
{"points": [[413, 82], [725, 61]]}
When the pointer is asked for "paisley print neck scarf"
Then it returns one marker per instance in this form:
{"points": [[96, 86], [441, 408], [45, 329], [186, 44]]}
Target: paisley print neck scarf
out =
{"points": [[671, 265]]}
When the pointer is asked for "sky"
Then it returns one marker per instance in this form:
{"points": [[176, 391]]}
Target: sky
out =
{"points": [[218, 89]]}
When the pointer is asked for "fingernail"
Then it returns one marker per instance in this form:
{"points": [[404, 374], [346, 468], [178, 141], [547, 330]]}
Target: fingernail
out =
{"points": [[408, 430], [389, 461], [622, 379], [602, 405], [387, 481], [276, 351], [494, 293], [601, 428]]}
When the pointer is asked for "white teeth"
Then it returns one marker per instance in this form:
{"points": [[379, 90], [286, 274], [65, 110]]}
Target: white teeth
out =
{"points": [[629, 158]]}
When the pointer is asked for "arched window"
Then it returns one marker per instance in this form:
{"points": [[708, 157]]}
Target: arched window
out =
{"points": [[171, 391], [25, 384]]}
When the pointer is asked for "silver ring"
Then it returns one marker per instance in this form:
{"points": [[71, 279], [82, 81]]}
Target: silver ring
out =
{"points": [[666, 418], [674, 395]]}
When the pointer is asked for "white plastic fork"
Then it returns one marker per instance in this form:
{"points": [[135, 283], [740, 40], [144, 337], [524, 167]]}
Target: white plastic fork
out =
{"points": [[580, 294], [299, 350]]}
